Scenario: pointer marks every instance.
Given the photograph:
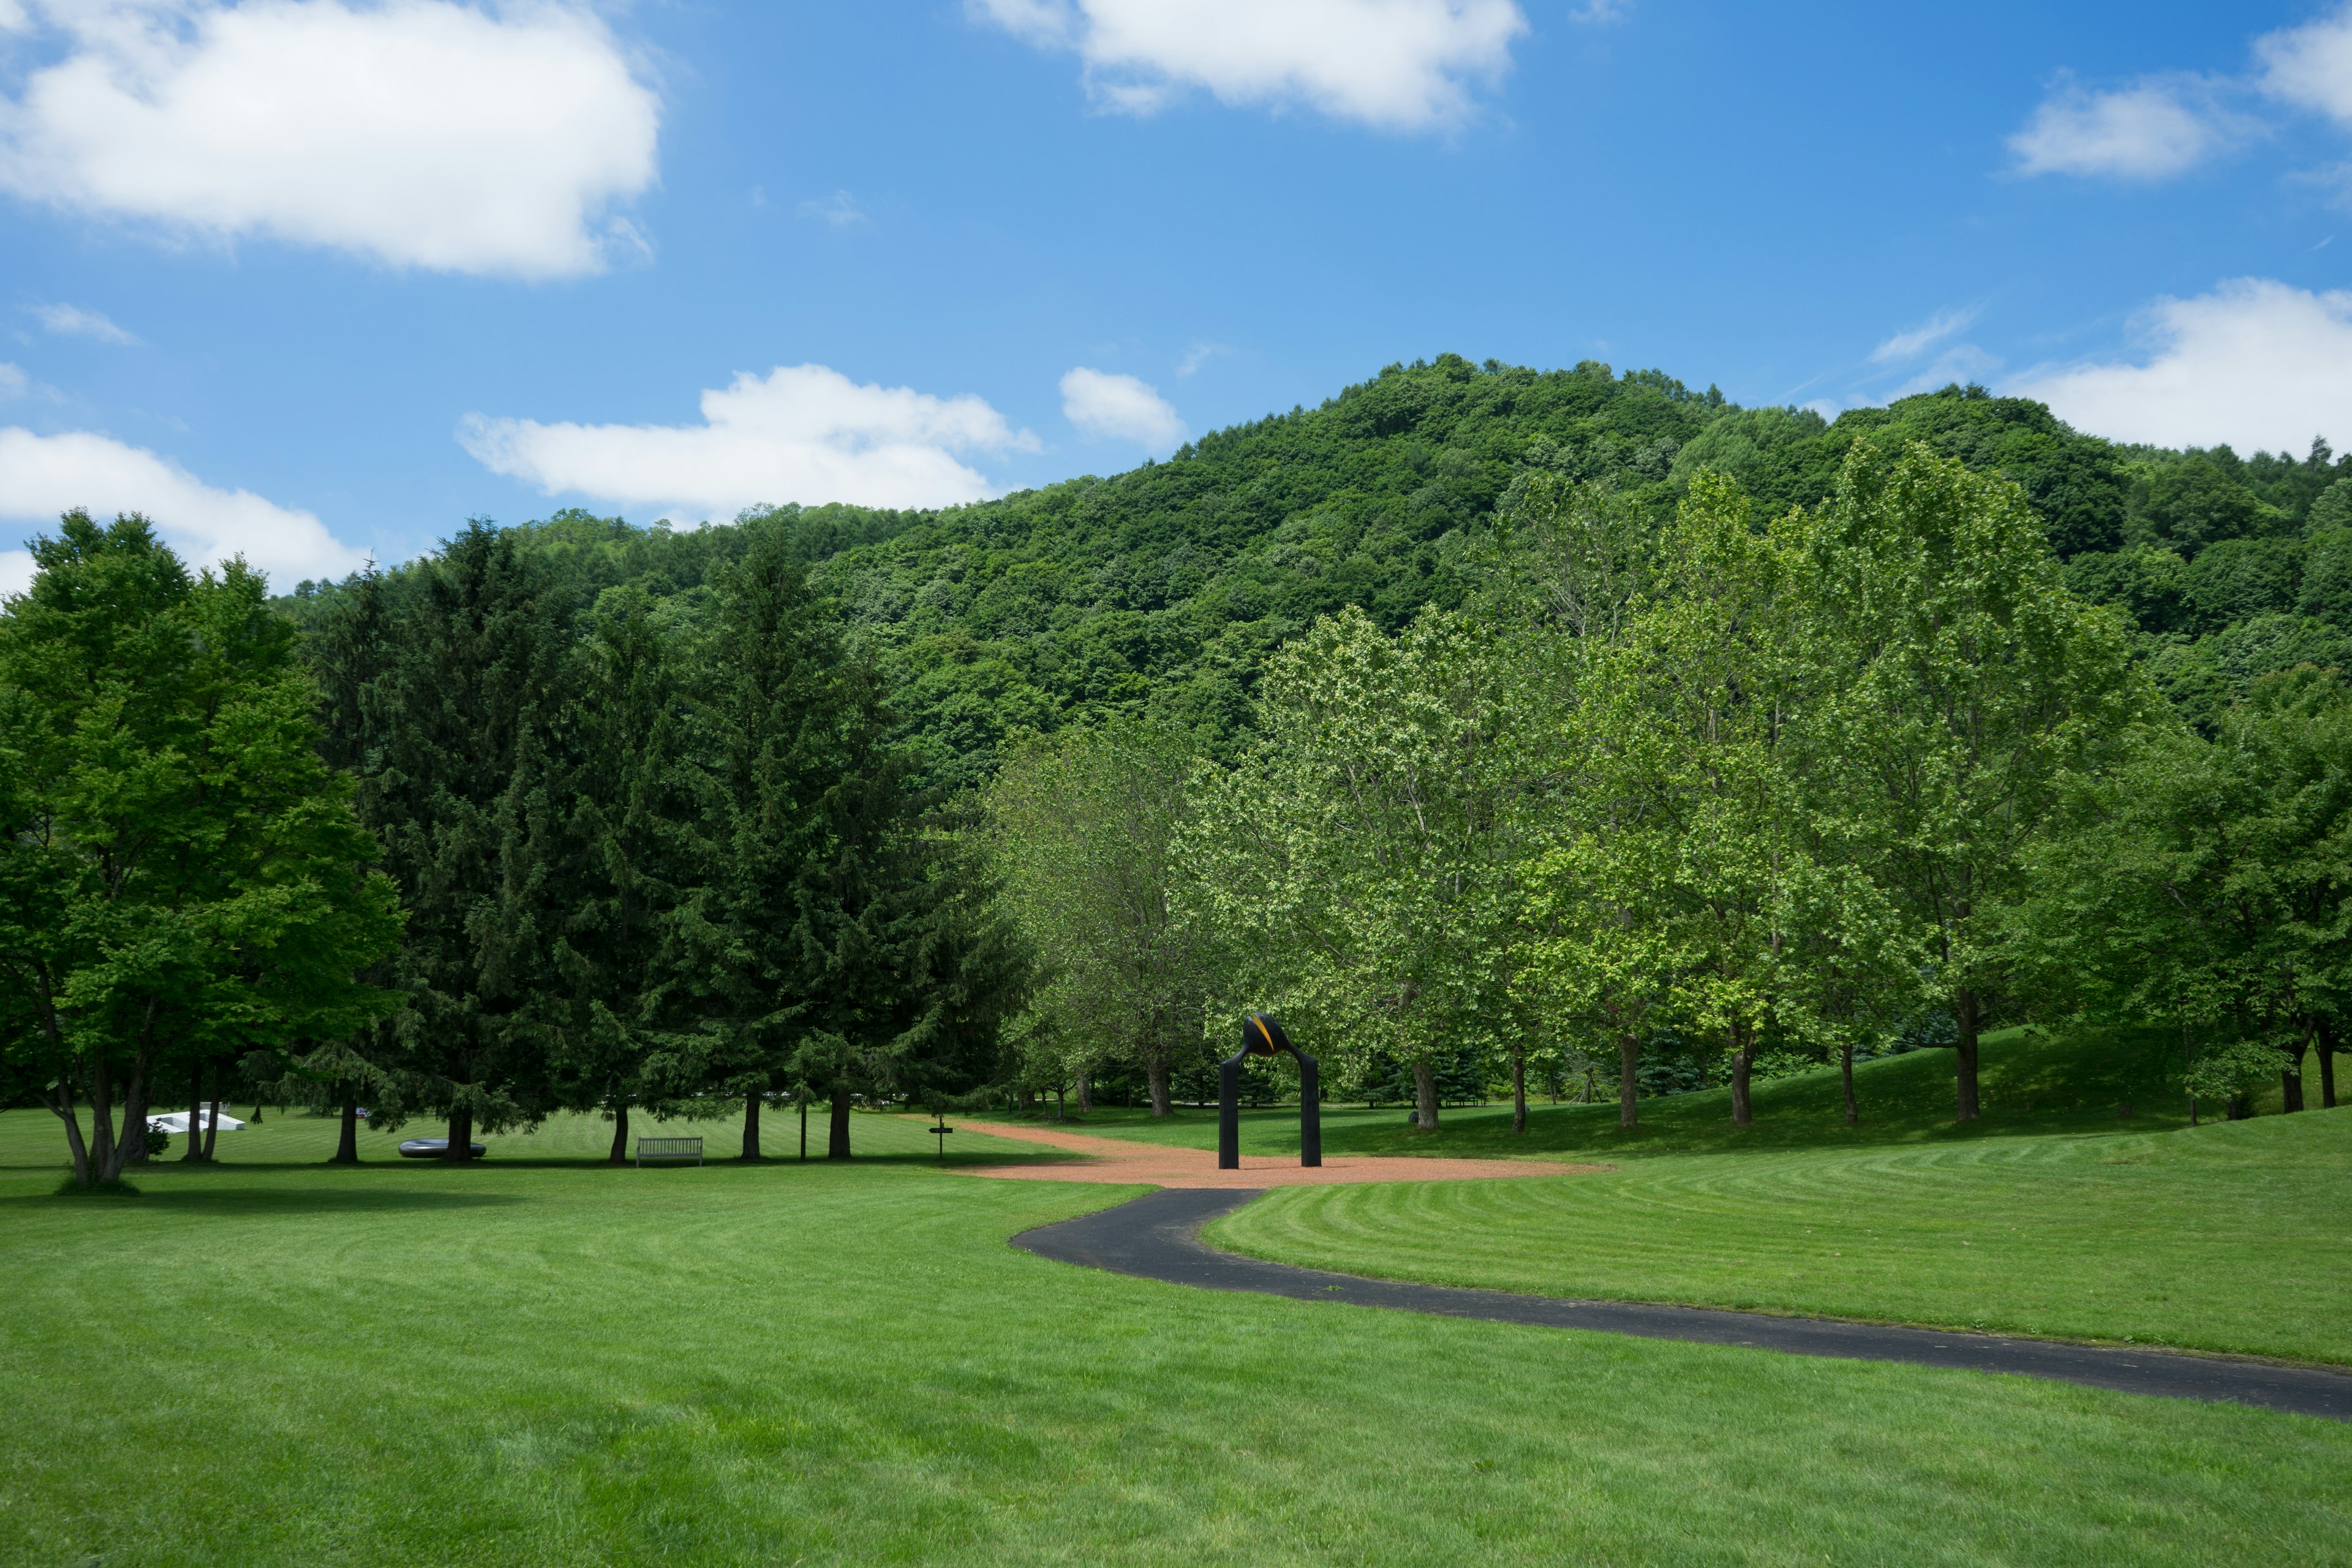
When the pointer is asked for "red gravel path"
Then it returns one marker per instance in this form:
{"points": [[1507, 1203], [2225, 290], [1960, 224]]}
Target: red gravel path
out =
{"points": [[1160, 1165]]}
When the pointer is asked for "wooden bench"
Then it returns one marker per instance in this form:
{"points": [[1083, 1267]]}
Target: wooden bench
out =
{"points": [[668, 1149]]}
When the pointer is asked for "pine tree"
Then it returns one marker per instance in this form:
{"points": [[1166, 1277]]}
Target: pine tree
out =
{"points": [[447, 686]]}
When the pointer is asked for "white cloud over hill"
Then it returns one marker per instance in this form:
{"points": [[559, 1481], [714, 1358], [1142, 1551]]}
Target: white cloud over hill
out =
{"points": [[802, 433], [418, 132], [1119, 406], [42, 477], [2257, 363], [2140, 132], [1397, 64]]}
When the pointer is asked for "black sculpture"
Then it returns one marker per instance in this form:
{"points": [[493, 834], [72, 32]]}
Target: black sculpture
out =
{"points": [[1262, 1037]]}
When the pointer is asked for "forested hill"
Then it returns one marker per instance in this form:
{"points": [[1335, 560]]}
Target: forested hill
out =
{"points": [[1161, 589]]}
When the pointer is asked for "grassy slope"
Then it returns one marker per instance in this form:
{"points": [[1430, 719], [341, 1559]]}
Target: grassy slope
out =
{"points": [[521, 1365]]}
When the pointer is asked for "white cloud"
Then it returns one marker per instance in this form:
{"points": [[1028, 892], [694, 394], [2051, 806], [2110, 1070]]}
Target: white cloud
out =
{"points": [[1933, 331], [13, 382], [2311, 66], [2256, 363], [2159, 127], [1197, 356], [1119, 406], [1961, 363], [839, 210], [1399, 63], [803, 433], [419, 132], [72, 320], [42, 477]]}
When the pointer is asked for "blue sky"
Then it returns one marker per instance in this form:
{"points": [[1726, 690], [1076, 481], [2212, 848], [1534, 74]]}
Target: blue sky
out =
{"points": [[313, 279]]}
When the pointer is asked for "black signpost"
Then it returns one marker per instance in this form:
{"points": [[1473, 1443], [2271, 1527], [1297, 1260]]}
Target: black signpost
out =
{"points": [[1262, 1037], [940, 1132]]}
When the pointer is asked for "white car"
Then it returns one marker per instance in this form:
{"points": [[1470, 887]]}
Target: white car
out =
{"points": [[175, 1123]]}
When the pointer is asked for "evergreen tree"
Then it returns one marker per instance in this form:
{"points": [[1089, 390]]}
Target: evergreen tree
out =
{"points": [[447, 685], [624, 1040], [850, 951]]}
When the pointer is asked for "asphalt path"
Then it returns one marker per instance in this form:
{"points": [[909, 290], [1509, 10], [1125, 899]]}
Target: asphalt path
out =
{"points": [[1157, 1237]]}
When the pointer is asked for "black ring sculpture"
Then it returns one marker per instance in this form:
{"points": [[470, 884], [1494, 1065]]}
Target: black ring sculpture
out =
{"points": [[1262, 1037]]}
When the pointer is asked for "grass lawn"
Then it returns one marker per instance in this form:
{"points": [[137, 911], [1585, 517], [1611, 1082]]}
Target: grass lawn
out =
{"points": [[2051, 1216], [2232, 1237], [539, 1361]]}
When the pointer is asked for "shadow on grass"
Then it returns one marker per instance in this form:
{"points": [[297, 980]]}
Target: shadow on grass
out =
{"points": [[281, 1200]]}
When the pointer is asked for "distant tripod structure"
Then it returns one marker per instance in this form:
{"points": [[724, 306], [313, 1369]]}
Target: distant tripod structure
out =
{"points": [[1262, 1037]]}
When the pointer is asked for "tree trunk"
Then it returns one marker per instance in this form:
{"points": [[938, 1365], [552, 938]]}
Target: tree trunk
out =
{"points": [[212, 1113], [836, 1143], [461, 1138], [64, 1109], [347, 1147], [2327, 1043], [1085, 1092], [620, 1154], [195, 1150], [133, 1142], [1061, 1105], [751, 1124], [1845, 1067], [1964, 1012], [1743, 1059], [103, 1167], [1518, 1090], [1629, 1077], [2291, 1076], [1155, 1074], [1424, 1094]]}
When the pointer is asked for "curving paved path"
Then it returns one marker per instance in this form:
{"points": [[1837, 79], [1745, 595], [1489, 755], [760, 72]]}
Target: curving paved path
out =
{"points": [[1157, 1237]]}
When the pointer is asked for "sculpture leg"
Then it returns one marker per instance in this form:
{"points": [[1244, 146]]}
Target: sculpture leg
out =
{"points": [[1310, 1111], [1229, 1115]]}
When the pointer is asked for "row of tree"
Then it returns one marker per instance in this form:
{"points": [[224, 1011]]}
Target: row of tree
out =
{"points": [[1782, 788], [504, 844], [507, 831]]}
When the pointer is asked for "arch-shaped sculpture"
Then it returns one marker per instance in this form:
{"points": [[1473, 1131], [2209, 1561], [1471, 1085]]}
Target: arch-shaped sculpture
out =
{"points": [[1262, 1037]]}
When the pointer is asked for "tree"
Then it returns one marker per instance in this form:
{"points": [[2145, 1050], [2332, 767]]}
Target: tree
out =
{"points": [[1684, 883], [181, 875], [625, 1037], [2204, 884], [848, 942], [1362, 853], [445, 685], [1958, 684], [1571, 567], [1084, 825]]}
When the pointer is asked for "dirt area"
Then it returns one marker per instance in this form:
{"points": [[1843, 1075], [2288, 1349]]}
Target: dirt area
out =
{"points": [[1119, 1160]]}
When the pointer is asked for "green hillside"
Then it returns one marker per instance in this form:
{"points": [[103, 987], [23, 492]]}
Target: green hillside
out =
{"points": [[1160, 590]]}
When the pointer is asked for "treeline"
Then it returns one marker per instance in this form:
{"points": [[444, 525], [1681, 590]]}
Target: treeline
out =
{"points": [[1869, 773], [511, 843], [1492, 723]]}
